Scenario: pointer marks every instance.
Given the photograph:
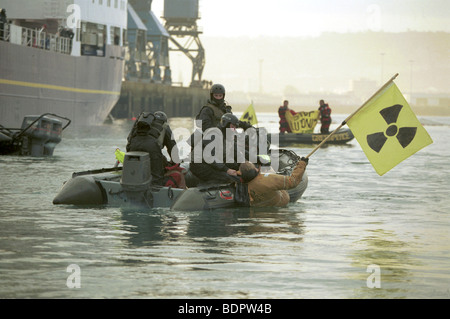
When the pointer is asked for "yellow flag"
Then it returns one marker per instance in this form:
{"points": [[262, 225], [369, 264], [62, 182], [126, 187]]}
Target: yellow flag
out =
{"points": [[302, 122], [119, 155], [249, 115], [388, 130]]}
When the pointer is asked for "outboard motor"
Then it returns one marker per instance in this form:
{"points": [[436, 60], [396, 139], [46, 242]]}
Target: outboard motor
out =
{"points": [[136, 178], [40, 138]]}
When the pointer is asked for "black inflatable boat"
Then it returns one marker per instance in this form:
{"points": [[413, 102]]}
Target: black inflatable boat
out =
{"points": [[131, 185]]}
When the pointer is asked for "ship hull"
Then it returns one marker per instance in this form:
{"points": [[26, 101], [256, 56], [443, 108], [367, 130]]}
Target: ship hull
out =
{"points": [[35, 81]]}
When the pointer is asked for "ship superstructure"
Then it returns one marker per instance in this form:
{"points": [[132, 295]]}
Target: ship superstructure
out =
{"points": [[61, 56]]}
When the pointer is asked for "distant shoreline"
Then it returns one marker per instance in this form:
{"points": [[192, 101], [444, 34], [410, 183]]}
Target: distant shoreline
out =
{"points": [[418, 110]]}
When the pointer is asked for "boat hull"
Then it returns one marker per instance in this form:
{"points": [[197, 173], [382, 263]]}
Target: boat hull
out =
{"points": [[341, 137], [35, 81], [108, 187]]}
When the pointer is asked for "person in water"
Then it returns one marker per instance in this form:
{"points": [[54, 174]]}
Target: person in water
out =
{"points": [[151, 133], [325, 117], [266, 190]]}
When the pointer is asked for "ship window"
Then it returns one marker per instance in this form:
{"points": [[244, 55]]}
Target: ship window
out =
{"points": [[116, 4], [92, 39], [108, 3]]}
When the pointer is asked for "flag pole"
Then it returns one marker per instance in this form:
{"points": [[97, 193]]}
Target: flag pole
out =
{"points": [[351, 115]]}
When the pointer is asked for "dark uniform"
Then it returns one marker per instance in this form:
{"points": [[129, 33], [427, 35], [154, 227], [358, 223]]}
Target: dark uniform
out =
{"points": [[216, 172], [150, 134], [211, 113]]}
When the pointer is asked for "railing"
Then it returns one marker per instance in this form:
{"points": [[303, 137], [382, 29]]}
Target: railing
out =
{"points": [[35, 38]]}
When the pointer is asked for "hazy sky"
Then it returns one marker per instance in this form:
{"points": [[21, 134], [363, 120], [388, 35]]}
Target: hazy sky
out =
{"points": [[240, 68], [312, 17]]}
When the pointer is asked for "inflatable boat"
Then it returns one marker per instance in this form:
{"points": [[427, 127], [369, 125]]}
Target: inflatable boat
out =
{"points": [[130, 185], [340, 137]]}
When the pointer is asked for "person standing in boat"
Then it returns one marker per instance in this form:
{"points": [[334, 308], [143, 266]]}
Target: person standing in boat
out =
{"points": [[284, 125], [151, 133], [325, 117], [211, 113], [268, 190]]}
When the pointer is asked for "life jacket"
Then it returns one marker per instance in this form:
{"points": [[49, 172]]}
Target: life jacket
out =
{"points": [[282, 114], [174, 177], [325, 111], [217, 111]]}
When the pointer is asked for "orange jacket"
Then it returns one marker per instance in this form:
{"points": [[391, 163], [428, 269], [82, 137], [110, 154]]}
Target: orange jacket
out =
{"points": [[270, 189]]}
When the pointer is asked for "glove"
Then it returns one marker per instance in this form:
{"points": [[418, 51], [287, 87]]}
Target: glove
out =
{"points": [[244, 125], [305, 159]]}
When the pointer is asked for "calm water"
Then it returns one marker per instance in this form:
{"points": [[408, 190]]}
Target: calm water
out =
{"points": [[349, 223]]}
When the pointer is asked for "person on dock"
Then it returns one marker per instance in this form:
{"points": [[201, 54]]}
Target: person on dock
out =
{"points": [[266, 190], [151, 133], [284, 125], [325, 117]]}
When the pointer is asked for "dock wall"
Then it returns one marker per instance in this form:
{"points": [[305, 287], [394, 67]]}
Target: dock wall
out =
{"points": [[175, 101]]}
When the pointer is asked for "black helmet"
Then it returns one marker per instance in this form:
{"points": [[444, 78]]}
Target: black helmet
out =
{"points": [[145, 119], [217, 89], [160, 115], [228, 119]]}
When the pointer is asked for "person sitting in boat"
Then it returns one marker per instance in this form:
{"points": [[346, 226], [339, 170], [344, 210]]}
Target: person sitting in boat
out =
{"points": [[284, 125], [325, 117], [218, 170], [151, 133], [270, 190]]}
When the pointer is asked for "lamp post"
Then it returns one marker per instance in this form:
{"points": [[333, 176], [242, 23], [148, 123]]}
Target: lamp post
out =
{"points": [[410, 80]]}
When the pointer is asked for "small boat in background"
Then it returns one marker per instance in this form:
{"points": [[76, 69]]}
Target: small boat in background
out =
{"points": [[341, 137], [38, 136]]}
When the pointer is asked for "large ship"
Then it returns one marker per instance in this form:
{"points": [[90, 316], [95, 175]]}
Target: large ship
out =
{"points": [[61, 56]]}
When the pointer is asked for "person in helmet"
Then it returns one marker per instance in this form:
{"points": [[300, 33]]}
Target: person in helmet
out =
{"points": [[151, 133], [211, 113]]}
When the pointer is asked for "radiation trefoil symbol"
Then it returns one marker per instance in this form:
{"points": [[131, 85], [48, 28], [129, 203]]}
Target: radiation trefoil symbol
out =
{"points": [[247, 117], [404, 135]]}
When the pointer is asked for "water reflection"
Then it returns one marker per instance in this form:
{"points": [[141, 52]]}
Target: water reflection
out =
{"points": [[382, 248], [155, 227]]}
